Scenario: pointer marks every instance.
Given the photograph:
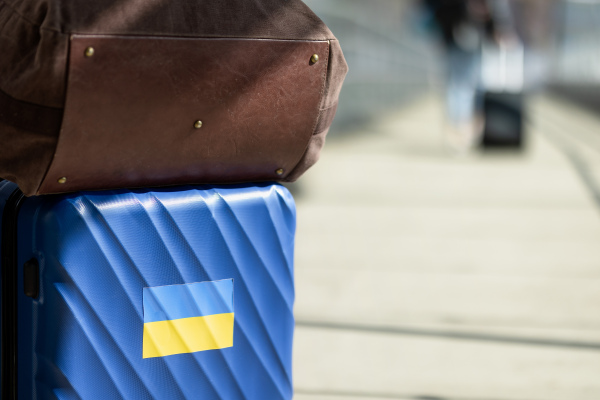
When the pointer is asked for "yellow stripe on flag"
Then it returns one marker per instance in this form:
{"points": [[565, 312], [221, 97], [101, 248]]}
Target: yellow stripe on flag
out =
{"points": [[188, 335]]}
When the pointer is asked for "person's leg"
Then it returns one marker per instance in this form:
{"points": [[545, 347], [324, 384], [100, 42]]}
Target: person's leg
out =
{"points": [[461, 96]]}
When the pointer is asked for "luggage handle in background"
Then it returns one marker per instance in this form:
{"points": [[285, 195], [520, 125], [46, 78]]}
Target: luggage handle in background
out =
{"points": [[502, 67]]}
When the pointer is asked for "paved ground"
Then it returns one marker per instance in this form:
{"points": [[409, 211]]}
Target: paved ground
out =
{"points": [[422, 275]]}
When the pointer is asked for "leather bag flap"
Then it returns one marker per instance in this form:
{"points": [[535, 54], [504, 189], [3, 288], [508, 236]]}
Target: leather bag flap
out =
{"points": [[152, 111]]}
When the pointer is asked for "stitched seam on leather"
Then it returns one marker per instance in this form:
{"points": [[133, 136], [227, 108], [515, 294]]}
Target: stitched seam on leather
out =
{"points": [[67, 67], [323, 90], [41, 182], [166, 35], [327, 108], [24, 18], [323, 86], [321, 112], [329, 69]]}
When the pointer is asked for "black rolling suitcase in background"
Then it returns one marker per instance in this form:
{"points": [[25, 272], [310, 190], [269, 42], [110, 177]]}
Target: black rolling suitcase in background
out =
{"points": [[503, 97], [503, 114]]}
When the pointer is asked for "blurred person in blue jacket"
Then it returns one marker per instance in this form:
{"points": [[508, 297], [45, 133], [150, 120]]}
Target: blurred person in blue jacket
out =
{"points": [[464, 25]]}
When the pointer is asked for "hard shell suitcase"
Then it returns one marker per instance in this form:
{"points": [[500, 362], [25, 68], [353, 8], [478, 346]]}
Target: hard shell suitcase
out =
{"points": [[180, 293], [503, 83], [503, 116]]}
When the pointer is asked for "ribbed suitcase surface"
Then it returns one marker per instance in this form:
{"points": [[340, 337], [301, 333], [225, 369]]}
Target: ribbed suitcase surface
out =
{"points": [[103, 256]]}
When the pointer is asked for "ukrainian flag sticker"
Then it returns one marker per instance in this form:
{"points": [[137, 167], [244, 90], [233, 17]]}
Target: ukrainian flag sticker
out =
{"points": [[188, 318]]}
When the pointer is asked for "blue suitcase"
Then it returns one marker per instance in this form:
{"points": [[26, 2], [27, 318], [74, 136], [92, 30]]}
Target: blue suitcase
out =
{"points": [[182, 293]]}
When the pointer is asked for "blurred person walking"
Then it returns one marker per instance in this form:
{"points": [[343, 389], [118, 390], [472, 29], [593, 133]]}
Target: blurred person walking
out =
{"points": [[464, 26]]}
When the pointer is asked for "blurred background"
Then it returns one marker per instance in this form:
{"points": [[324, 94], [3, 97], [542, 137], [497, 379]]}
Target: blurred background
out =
{"points": [[448, 246]]}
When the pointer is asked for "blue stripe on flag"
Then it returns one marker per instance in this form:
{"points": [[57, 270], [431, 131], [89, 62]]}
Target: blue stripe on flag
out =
{"points": [[200, 299]]}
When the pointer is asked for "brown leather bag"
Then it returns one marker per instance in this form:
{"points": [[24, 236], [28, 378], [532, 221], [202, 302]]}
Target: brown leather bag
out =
{"points": [[134, 93]]}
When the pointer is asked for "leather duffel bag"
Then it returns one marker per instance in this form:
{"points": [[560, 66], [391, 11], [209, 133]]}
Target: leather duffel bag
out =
{"points": [[137, 93]]}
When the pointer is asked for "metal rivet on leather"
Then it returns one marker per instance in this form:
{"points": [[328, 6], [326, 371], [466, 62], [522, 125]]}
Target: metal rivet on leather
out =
{"points": [[314, 59], [89, 51], [279, 171], [198, 124], [62, 180]]}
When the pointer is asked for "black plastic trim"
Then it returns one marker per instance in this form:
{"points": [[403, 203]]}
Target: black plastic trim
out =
{"points": [[31, 278], [8, 330]]}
